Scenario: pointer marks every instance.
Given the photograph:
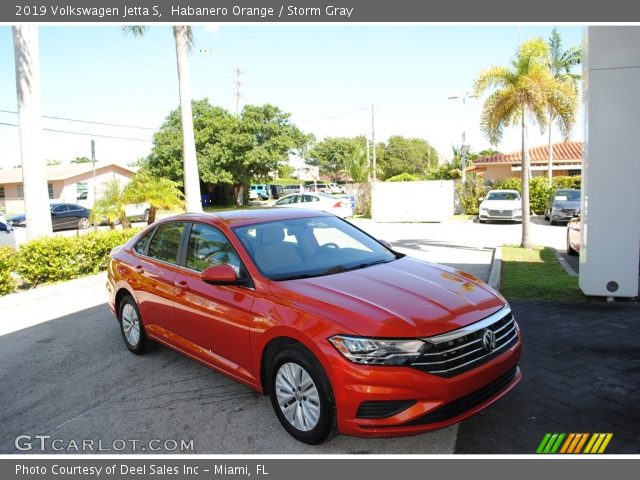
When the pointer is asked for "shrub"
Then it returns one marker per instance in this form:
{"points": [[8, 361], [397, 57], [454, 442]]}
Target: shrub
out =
{"points": [[7, 261], [567, 182], [404, 177], [470, 193], [51, 259]]}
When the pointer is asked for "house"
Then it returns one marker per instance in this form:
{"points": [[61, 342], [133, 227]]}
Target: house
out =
{"points": [[567, 160], [70, 183]]}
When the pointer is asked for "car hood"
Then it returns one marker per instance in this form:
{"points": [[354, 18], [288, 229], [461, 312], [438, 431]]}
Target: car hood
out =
{"points": [[501, 204], [404, 298], [566, 204]]}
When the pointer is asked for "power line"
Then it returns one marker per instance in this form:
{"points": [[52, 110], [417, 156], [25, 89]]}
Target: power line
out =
{"points": [[88, 134], [87, 121]]}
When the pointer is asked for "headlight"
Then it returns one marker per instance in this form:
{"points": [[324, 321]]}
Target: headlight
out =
{"points": [[375, 351]]}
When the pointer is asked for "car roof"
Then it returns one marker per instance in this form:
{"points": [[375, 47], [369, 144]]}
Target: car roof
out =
{"points": [[236, 218], [509, 191]]}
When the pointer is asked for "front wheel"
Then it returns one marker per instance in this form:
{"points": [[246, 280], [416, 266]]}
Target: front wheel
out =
{"points": [[570, 250], [301, 396], [83, 223]]}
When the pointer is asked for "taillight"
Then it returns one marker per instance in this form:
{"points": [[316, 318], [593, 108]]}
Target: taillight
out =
{"points": [[338, 205]]}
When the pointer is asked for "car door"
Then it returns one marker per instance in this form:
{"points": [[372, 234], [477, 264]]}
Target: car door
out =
{"points": [[214, 321], [59, 216], [74, 215], [154, 269]]}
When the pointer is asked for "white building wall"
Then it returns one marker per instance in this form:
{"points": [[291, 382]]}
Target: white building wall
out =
{"points": [[610, 234], [429, 201]]}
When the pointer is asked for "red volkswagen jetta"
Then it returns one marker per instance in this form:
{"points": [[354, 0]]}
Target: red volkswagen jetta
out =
{"points": [[338, 329]]}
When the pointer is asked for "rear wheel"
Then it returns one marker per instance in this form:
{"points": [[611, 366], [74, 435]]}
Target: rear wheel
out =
{"points": [[301, 396], [131, 326], [83, 223]]}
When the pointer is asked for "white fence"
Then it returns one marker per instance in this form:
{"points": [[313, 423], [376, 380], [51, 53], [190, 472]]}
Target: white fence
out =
{"points": [[428, 201]]}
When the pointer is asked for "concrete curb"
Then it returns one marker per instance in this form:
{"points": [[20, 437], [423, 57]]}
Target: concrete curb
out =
{"points": [[496, 267], [44, 291], [567, 268]]}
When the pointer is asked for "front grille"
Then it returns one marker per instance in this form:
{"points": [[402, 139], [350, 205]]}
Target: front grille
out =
{"points": [[466, 348], [500, 213], [466, 403], [383, 409], [569, 211]]}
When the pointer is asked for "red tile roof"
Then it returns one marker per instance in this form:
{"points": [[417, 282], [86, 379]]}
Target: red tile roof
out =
{"points": [[562, 152]]}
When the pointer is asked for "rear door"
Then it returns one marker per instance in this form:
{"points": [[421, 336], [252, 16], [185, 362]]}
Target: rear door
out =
{"points": [[153, 272], [59, 215]]}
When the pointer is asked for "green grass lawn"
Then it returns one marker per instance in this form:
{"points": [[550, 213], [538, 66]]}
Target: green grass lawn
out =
{"points": [[536, 274]]}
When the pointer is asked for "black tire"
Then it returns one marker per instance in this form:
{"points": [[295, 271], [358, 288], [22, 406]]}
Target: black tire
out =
{"points": [[481, 221], [143, 344], [83, 223], [553, 222], [145, 216], [326, 423]]}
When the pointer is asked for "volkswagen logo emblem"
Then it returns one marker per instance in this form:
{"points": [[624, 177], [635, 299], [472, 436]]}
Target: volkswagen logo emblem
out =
{"points": [[488, 341]]}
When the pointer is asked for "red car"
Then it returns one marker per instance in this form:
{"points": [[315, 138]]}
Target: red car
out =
{"points": [[338, 329]]}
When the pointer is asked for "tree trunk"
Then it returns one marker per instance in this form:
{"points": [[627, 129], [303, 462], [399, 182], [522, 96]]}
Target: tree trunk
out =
{"points": [[550, 165], [191, 176], [526, 224], [238, 191], [34, 175], [152, 214]]}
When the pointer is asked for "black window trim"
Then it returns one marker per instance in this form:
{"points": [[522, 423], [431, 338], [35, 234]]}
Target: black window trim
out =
{"points": [[185, 245]]}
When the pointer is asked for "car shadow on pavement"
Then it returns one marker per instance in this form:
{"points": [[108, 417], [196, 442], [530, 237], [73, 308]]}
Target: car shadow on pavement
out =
{"points": [[581, 373]]}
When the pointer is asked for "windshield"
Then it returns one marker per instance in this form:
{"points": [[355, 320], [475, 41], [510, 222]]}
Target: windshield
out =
{"points": [[309, 247], [567, 195], [503, 196]]}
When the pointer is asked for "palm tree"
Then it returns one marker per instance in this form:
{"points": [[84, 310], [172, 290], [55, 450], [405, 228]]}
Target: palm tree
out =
{"points": [[36, 193], [560, 63], [183, 36], [159, 192], [525, 89], [110, 207]]}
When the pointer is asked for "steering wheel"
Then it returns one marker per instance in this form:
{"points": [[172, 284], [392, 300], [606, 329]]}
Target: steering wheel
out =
{"points": [[325, 247]]}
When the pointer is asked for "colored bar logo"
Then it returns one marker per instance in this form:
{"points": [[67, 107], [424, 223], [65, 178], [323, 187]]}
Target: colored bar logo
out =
{"points": [[574, 443]]}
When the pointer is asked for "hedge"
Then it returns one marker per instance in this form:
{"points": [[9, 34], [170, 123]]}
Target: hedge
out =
{"points": [[7, 261], [52, 259], [539, 189]]}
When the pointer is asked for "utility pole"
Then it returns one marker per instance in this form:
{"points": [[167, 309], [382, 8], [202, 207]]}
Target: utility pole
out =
{"points": [[238, 84], [464, 148], [93, 161], [366, 141], [373, 143]]}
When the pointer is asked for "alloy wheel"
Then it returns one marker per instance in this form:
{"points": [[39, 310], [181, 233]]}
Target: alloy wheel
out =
{"points": [[297, 396]]}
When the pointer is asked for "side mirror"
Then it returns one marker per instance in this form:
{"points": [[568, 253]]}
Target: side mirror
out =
{"points": [[385, 243], [220, 275]]}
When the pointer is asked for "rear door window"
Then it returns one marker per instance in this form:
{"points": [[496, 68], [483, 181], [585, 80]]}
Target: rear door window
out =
{"points": [[165, 243]]}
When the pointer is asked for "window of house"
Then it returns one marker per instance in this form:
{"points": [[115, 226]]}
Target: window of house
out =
{"points": [[1, 192], [20, 191], [50, 188]]}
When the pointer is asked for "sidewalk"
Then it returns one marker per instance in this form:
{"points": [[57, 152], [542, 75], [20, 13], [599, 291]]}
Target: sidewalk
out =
{"points": [[31, 307]]}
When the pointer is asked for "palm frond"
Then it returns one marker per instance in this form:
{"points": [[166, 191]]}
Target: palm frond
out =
{"points": [[187, 33], [135, 30]]}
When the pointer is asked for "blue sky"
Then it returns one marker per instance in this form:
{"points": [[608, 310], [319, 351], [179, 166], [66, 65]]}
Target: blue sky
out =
{"points": [[326, 76]]}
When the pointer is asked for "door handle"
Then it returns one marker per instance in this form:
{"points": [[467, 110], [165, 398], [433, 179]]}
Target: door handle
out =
{"points": [[182, 285], [139, 269]]}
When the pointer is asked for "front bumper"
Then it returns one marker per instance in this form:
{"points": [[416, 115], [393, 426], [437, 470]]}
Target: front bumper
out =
{"points": [[425, 401], [512, 217]]}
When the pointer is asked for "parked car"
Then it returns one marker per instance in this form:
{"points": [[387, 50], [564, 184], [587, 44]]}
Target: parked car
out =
{"points": [[63, 216], [276, 191], [561, 205], [501, 205], [287, 189], [261, 190], [340, 207], [337, 328], [137, 211], [335, 188], [573, 234]]}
